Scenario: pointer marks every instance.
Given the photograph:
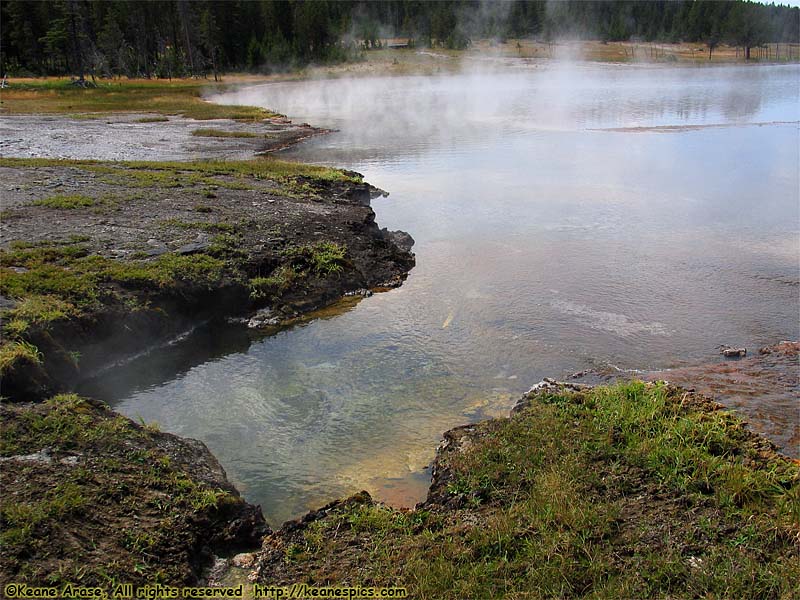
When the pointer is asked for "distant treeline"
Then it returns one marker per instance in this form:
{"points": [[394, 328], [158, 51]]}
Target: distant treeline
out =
{"points": [[174, 38]]}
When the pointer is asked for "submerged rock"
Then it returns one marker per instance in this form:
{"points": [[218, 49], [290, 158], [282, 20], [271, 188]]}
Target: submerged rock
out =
{"points": [[363, 292], [263, 318]]}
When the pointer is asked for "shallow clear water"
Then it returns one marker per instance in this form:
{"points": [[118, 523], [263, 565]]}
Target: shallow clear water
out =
{"points": [[559, 227]]}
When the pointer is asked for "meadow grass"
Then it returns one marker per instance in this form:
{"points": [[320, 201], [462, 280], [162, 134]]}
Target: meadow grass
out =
{"points": [[184, 97], [159, 172], [66, 201]]}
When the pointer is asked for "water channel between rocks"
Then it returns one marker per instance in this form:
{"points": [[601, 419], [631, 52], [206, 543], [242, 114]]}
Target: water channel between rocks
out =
{"points": [[566, 217]]}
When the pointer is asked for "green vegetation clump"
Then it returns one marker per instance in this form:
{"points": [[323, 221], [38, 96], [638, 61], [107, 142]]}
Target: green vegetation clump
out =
{"points": [[149, 96], [322, 258], [220, 133], [201, 225], [66, 201], [15, 352], [152, 120], [39, 309], [279, 281], [54, 282], [72, 275], [629, 491]]}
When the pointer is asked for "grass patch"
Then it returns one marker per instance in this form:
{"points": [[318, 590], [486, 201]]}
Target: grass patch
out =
{"points": [[260, 168], [220, 133], [627, 491], [88, 116], [152, 120], [201, 225], [177, 97], [122, 490], [36, 309], [322, 258], [66, 201], [279, 281], [63, 280], [15, 352], [55, 283]]}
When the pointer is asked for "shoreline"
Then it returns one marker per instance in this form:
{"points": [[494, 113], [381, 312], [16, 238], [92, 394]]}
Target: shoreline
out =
{"points": [[492, 500], [193, 235]]}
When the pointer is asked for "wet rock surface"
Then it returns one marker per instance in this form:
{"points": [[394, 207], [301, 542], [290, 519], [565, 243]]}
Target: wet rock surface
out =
{"points": [[141, 136]]}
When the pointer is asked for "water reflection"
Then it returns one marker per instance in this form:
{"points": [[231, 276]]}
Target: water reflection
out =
{"points": [[543, 248]]}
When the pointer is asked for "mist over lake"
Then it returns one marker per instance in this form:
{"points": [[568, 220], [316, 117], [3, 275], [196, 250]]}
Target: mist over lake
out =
{"points": [[566, 217]]}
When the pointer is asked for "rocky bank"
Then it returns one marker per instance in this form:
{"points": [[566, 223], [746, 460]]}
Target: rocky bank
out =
{"points": [[101, 260]]}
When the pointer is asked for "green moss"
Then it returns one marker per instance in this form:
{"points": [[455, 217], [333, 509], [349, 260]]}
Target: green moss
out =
{"points": [[168, 269], [72, 280], [279, 281], [68, 202], [152, 120], [88, 116], [260, 168], [122, 491], [220, 133], [228, 247], [322, 260], [20, 520], [36, 309]]}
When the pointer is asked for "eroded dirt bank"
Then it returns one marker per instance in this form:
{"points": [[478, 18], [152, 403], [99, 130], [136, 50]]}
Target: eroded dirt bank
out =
{"points": [[90, 498], [99, 260]]}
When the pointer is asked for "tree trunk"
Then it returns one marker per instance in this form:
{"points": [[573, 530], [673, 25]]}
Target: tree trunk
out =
{"points": [[747, 52]]}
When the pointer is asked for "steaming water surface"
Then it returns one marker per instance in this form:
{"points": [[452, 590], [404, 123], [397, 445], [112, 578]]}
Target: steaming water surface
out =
{"points": [[565, 217]]}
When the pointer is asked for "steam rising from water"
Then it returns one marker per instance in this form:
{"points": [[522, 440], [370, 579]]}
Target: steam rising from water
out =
{"points": [[543, 248], [490, 98]]}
